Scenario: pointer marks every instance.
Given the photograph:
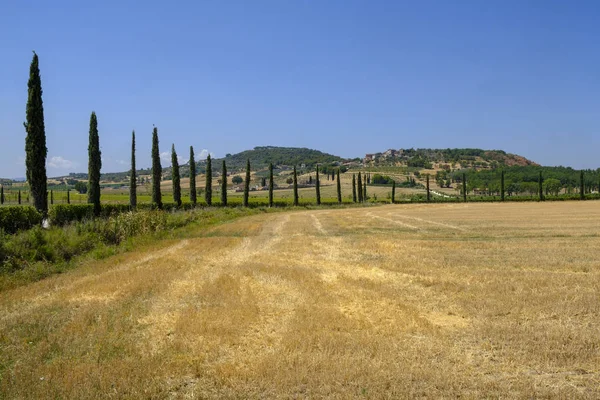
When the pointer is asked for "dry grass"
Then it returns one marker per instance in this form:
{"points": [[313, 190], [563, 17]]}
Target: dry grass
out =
{"points": [[436, 301]]}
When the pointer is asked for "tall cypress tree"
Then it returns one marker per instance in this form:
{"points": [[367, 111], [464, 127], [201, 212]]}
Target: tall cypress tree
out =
{"points": [[365, 197], [224, 185], [318, 187], [132, 177], [360, 188], [2, 194], [35, 141], [541, 184], [247, 183], [94, 165], [581, 186], [464, 185], [428, 194], [156, 171], [339, 187], [295, 187], [193, 197], [208, 189], [393, 191], [19, 198], [176, 177], [502, 186], [353, 188], [271, 184]]}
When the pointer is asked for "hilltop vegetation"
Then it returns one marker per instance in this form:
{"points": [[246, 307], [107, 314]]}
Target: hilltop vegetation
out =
{"points": [[261, 156], [461, 158]]}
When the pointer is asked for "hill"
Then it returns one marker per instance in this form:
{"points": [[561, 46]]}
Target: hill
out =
{"points": [[455, 158], [260, 157]]}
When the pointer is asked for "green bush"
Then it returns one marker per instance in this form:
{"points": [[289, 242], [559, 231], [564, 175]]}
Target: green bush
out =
{"points": [[61, 214], [16, 218]]}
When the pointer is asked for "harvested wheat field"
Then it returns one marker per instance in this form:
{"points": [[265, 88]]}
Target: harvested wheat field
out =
{"points": [[469, 300]]}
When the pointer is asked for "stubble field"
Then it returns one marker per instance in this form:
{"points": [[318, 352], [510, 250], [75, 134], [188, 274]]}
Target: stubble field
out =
{"points": [[404, 301]]}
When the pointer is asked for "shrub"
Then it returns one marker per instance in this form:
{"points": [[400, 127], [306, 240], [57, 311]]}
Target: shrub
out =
{"points": [[61, 214], [16, 218]]}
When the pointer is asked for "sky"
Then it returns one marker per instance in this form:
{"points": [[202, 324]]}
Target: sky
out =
{"points": [[346, 77]]}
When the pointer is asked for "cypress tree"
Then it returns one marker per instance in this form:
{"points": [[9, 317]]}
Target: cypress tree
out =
{"points": [[224, 185], [51, 197], [581, 186], [94, 165], [365, 197], [156, 171], [68, 196], [176, 177], [295, 187], [502, 186], [360, 189], [247, 183], [208, 190], [132, 177], [393, 191], [19, 198], [541, 181], [2, 194], [35, 141], [271, 184], [353, 188], [193, 198], [263, 182], [428, 194], [464, 185], [339, 187], [318, 187]]}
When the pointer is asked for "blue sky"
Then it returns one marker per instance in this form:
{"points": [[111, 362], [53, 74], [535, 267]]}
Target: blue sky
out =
{"points": [[346, 77]]}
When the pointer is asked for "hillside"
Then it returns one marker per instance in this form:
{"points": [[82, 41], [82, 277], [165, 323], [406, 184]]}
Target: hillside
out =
{"points": [[455, 158], [260, 157]]}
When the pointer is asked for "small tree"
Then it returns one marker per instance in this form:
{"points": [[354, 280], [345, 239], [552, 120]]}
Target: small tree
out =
{"points": [[339, 187], [263, 182], [581, 186], [132, 177], [176, 177], [318, 187], [208, 189], [156, 171], [224, 185], [236, 180], [393, 191], [94, 165], [193, 194], [365, 197], [247, 184], [353, 188], [502, 186], [541, 184], [295, 187], [271, 184], [428, 193], [464, 185], [360, 188]]}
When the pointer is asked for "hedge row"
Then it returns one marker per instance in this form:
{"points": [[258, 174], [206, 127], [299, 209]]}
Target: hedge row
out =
{"points": [[16, 218]]}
